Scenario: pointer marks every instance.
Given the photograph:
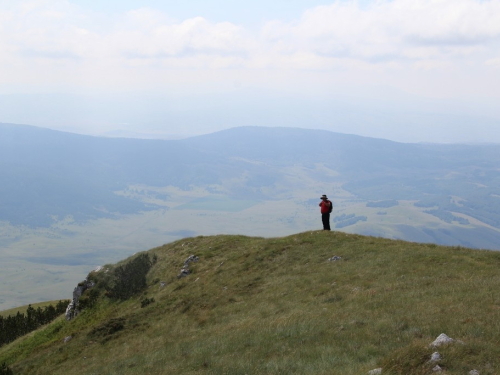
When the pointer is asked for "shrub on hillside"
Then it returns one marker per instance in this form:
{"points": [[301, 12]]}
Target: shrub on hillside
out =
{"points": [[131, 277], [147, 301], [5, 370], [88, 299], [121, 282], [107, 329]]}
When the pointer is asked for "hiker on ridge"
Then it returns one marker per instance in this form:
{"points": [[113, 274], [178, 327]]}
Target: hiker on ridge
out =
{"points": [[326, 208]]}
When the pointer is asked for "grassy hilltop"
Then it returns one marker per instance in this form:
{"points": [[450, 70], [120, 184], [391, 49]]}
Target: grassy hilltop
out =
{"points": [[278, 306]]}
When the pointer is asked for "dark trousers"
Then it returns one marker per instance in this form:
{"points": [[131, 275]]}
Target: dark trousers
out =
{"points": [[326, 221]]}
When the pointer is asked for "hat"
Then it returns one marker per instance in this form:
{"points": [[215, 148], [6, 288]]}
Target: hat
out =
{"points": [[323, 196]]}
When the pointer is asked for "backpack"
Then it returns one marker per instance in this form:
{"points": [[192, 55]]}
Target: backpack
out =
{"points": [[331, 207]]}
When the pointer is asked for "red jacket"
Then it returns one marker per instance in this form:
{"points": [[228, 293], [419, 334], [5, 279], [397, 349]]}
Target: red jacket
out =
{"points": [[325, 206]]}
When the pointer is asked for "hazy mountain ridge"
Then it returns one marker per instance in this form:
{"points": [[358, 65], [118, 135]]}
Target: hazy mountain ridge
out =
{"points": [[49, 173]]}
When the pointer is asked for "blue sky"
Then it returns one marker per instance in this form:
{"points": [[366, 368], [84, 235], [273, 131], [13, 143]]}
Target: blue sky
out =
{"points": [[407, 70], [239, 12]]}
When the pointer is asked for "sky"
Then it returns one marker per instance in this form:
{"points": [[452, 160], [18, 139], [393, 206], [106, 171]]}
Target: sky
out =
{"points": [[405, 70]]}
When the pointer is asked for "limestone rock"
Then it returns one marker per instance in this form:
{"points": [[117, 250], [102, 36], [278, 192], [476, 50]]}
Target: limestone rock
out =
{"points": [[441, 340], [185, 270], [376, 371], [437, 369], [67, 339], [435, 357], [473, 372], [191, 258], [69, 310], [72, 309], [334, 258]]}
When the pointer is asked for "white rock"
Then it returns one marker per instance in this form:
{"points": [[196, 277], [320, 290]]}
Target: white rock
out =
{"points": [[184, 272], [436, 357], [473, 372], [67, 339], [376, 371], [437, 369], [69, 310], [442, 339], [334, 258], [191, 258]]}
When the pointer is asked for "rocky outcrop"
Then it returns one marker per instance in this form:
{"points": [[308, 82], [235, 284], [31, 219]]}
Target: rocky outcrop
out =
{"points": [[441, 340], [72, 309], [334, 258], [185, 270], [436, 357]]}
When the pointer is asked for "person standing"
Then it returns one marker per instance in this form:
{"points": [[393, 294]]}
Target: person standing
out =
{"points": [[326, 208]]}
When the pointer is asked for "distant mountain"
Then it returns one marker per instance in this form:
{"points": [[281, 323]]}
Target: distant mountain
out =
{"points": [[48, 175]]}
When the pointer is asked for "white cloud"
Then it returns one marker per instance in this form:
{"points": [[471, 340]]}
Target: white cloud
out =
{"points": [[393, 30], [194, 36], [493, 62], [53, 42]]}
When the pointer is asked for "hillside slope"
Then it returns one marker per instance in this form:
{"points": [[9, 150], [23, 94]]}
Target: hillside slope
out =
{"points": [[280, 306]]}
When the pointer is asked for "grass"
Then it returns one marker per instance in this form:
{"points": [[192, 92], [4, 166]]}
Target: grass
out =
{"points": [[278, 306]]}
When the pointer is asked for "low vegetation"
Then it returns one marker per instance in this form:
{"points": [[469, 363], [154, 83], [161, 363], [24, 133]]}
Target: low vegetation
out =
{"points": [[312, 303], [5, 370], [130, 278], [14, 326]]}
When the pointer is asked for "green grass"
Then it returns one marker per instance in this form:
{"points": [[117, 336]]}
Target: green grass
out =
{"points": [[277, 306]]}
